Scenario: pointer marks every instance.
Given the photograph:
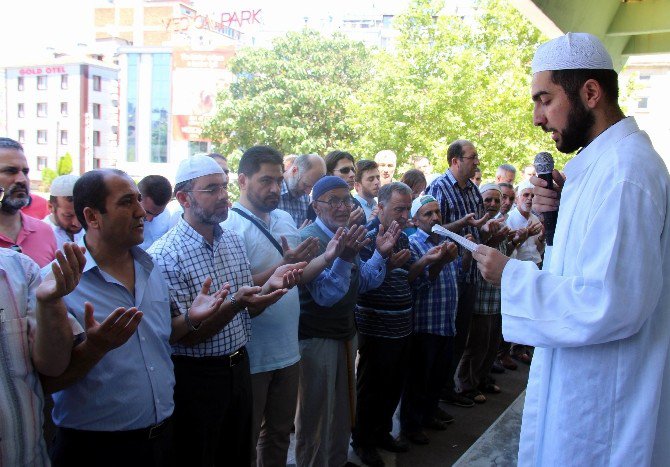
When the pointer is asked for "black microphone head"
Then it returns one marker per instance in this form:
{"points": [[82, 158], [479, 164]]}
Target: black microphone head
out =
{"points": [[544, 163]]}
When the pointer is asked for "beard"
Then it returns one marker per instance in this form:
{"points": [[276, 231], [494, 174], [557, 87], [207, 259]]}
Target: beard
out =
{"points": [[10, 204], [208, 218], [576, 132]]}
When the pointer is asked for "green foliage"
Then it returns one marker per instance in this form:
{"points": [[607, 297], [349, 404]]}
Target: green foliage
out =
{"points": [[48, 176], [64, 165], [292, 96]]}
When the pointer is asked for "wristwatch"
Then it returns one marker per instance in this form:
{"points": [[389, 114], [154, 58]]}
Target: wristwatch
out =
{"points": [[189, 323], [236, 305]]}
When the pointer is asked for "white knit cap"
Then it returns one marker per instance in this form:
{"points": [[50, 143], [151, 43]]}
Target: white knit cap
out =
{"points": [[63, 185], [524, 185], [196, 166], [419, 202], [489, 186], [575, 50]]}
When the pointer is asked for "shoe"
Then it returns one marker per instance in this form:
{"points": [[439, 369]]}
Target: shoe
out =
{"points": [[389, 443], [497, 367], [475, 396], [443, 416], [416, 437], [435, 424], [491, 388], [507, 362], [369, 456], [456, 399], [522, 357]]}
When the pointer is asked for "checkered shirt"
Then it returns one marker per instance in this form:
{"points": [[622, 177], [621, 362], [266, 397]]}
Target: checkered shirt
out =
{"points": [[435, 301], [298, 207], [186, 260], [487, 299], [455, 203]]}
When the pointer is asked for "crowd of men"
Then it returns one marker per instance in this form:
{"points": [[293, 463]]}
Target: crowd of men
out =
{"points": [[204, 334]]}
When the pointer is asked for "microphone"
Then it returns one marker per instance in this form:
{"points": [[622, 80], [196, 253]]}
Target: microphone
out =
{"points": [[544, 166]]}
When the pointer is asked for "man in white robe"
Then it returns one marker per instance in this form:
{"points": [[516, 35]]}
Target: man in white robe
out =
{"points": [[599, 314]]}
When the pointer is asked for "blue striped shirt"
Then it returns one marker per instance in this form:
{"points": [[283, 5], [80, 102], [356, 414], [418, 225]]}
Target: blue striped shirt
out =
{"points": [[435, 301], [298, 207], [455, 203]]}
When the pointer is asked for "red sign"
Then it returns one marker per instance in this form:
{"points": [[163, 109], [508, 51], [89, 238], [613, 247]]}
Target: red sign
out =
{"points": [[42, 70]]}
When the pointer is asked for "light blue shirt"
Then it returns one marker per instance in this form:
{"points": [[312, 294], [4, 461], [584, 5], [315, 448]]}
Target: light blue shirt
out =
{"points": [[274, 339], [132, 386], [367, 207], [332, 284], [155, 229]]}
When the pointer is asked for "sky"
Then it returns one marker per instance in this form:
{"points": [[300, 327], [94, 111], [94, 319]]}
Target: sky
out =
{"points": [[28, 27]]}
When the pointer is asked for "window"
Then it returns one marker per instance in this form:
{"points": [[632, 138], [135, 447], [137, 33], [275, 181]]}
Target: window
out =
{"points": [[115, 129], [96, 163], [41, 109], [21, 111], [41, 82], [63, 109], [22, 136], [41, 136], [41, 163], [97, 83], [197, 147], [645, 77], [96, 111], [642, 103], [63, 81], [133, 92], [63, 137], [160, 106], [96, 138], [20, 83]]}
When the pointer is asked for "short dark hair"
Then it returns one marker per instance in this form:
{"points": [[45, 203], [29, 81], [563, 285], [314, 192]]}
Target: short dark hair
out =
{"points": [[54, 199], [216, 155], [186, 185], [90, 191], [156, 187], [455, 149], [413, 177], [506, 185], [333, 157], [572, 81], [386, 192], [9, 143], [363, 166], [251, 160]]}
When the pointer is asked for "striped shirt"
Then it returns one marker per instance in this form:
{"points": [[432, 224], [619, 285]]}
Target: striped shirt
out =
{"points": [[186, 260], [386, 311], [21, 399], [298, 207], [436, 301], [455, 203]]}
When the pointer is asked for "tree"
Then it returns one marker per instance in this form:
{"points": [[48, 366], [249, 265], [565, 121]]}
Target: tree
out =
{"points": [[64, 165], [292, 96], [452, 79]]}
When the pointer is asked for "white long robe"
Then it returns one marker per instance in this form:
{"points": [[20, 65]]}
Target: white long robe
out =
{"points": [[599, 317]]}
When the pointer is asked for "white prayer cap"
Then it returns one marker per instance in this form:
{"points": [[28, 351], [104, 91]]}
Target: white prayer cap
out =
{"points": [[524, 185], [489, 186], [63, 185], [575, 50], [196, 166], [419, 203]]}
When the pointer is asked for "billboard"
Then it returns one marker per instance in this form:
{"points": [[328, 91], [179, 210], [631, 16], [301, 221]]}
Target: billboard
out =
{"points": [[197, 76]]}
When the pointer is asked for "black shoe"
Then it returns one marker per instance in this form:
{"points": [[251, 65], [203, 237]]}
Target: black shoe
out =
{"points": [[369, 456], [435, 424], [456, 399], [443, 416], [416, 437], [389, 443]]}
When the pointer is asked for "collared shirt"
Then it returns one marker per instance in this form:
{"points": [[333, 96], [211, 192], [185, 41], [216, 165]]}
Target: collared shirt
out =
{"points": [[487, 298], [367, 207], [21, 398], [386, 311], [131, 387], [455, 203], [527, 251], [298, 207], [333, 283], [186, 261], [155, 229], [36, 240], [436, 301], [61, 234], [275, 331]]}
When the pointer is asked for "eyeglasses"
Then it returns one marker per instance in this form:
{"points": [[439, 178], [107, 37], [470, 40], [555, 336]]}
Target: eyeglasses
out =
{"points": [[336, 203], [475, 156], [346, 170], [216, 191]]}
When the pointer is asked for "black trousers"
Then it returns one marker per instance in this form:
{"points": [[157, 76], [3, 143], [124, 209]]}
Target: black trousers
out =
{"points": [[466, 303], [212, 415], [380, 378], [430, 358], [136, 448]]}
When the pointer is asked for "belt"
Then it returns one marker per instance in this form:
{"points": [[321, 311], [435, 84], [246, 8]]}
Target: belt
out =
{"points": [[229, 360], [145, 434], [235, 357]]}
